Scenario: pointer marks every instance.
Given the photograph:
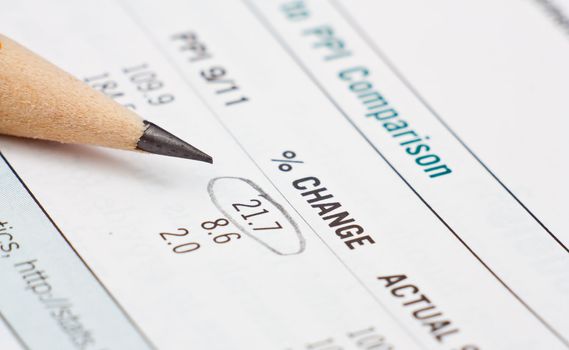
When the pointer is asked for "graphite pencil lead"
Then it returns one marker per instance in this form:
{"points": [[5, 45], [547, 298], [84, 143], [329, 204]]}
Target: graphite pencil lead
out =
{"points": [[159, 141]]}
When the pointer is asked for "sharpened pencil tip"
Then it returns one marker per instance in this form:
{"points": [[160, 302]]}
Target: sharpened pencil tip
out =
{"points": [[159, 141]]}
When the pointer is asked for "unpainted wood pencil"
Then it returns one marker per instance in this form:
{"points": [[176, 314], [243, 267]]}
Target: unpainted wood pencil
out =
{"points": [[39, 100]]}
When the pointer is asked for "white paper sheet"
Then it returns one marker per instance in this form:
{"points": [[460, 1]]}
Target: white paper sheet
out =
{"points": [[388, 175]]}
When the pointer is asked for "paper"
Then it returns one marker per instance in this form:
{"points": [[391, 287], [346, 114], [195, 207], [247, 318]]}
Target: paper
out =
{"points": [[387, 175]]}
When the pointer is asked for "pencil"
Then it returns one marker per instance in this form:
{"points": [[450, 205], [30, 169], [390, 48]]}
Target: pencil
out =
{"points": [[39, 100]]}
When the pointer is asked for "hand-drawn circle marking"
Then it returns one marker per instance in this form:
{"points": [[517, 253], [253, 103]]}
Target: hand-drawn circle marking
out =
{"points": [[263, 194]]}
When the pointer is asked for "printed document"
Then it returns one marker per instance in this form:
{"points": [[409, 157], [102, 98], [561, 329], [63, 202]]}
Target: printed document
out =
{"points": [[387, 175]]}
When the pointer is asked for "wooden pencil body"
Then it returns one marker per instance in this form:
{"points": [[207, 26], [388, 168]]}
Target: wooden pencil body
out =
{"points": [[39, 100]]}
